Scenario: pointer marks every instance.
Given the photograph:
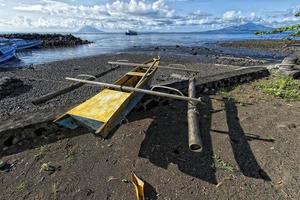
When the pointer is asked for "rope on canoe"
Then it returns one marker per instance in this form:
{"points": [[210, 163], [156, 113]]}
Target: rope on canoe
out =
{"points": [[168, 88]]}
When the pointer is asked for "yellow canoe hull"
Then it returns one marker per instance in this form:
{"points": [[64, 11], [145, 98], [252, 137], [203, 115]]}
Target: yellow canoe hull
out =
{"points": [[102, 106], [104, 111]]}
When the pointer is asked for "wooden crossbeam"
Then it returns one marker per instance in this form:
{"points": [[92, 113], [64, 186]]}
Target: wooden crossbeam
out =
{"points": [[160, 67]]}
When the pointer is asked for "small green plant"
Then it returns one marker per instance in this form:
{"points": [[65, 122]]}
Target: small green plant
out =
{"points": [[281, 86], [54, 190], [47, 168], [41, 153], [219, 163], [21, 186]]}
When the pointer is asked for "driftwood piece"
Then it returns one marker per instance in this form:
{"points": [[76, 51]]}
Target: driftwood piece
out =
{"points": [[195, 143], [73, 86]]}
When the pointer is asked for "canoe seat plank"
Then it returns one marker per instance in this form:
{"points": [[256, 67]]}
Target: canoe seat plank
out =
{"points": [[135, 74], [102, 106]]}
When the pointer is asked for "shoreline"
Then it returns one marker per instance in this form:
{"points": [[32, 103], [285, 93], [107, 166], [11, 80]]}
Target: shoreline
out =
{"points": [[210, 59], [241, 48], [41, 79]]}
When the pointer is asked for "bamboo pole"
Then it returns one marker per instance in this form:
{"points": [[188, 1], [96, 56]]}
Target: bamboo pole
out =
{"points": [[54, 94], [131, 89], [144, 65], [195, 143]]}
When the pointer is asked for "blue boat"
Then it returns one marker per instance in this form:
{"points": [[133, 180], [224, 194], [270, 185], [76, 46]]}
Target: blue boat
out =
{"points": [[26, 44], [7, 51]]}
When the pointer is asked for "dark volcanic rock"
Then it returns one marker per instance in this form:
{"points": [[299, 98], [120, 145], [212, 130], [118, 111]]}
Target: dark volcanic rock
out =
{"points": [[290, 60], [50, 40], [194, 52], [8, 85]]}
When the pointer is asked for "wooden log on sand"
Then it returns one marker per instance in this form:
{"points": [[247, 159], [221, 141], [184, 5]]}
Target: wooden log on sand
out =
{"points": [[74, 86], [195, 143]]}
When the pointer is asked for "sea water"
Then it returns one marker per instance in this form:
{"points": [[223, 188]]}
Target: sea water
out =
{"points": [[119, 42]]}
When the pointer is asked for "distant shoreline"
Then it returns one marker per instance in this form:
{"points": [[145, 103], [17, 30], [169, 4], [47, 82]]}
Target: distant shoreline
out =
{"points": [[49, 40]]}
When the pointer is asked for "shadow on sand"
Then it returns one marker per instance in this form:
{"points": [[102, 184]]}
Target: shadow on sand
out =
{"points": [[16, 92], [150, 191], [166, 142], [240, 146]]}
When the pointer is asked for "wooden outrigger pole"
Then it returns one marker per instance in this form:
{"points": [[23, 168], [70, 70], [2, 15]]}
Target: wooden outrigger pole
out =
{"points": [[131, 89], [160, 67], [195, 142]]}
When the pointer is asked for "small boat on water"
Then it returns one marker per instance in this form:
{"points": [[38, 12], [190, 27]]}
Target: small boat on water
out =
{"points": [[7, 51], [103, 112], [131, 32], [26, 44]]}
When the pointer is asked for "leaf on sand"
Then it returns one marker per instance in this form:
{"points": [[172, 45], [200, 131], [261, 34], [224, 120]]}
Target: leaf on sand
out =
{"points": [[139, 186], [110, 178]]}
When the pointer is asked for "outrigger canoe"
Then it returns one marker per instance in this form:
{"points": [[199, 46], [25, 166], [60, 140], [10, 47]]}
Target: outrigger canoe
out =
{"points": [[26, 44], [22, 43], [104, 111], [7, 51]]}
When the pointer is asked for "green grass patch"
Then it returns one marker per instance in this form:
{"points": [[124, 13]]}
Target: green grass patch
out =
{"points": [[21, 186], [221, 164], [54, 190], [280, 86]]}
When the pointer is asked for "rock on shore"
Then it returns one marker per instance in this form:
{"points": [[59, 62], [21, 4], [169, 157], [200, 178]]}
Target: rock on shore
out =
{"points": [[49, 40]]}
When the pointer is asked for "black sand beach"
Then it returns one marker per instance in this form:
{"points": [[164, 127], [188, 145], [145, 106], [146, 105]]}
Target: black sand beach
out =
{"points": [[153, 143], [42, 79]]}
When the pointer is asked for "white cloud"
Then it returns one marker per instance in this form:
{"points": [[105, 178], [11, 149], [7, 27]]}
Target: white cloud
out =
{"points": [[123, 14], [118, 14], [231, 15]]}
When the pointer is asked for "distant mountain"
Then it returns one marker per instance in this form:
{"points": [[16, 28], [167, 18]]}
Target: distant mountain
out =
{"points": [[244, 28], [89, 29]]}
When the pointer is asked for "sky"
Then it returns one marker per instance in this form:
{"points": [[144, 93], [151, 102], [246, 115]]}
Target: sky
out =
{"points": [[142, 15]]}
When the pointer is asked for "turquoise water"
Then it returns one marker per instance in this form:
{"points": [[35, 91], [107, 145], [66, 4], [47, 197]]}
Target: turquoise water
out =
{"points": [[118, 42]]}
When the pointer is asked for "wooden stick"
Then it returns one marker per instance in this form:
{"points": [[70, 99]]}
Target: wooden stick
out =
{"points": [[147, 72], [131, 89], [195, 143], [160, 67], [52, 95]]}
